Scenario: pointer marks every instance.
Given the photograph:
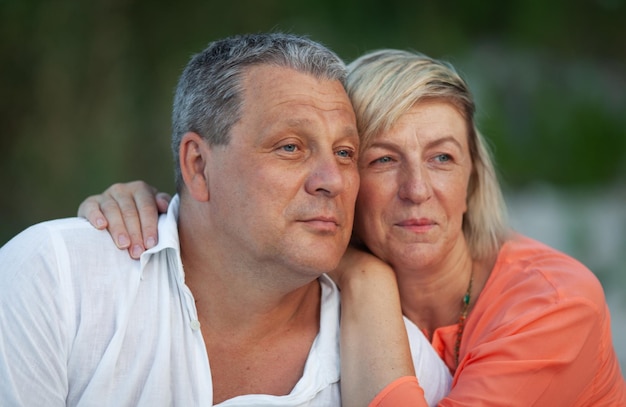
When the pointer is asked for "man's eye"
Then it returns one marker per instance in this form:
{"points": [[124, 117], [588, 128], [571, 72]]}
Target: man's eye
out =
{"points": [[345, 153], [290, 148]]}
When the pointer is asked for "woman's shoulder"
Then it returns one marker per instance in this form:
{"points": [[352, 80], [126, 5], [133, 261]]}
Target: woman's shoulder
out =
{"points": [[529, 268]]}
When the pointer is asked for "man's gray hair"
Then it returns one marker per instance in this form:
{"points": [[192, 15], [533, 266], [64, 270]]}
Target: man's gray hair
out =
{"points": [[209, 94]]}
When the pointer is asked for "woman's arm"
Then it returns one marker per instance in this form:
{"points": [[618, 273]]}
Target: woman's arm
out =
{"points": [[374, 345], [129, 212]]}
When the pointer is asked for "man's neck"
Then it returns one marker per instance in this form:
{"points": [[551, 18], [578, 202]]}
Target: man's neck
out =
{"points": [[236, 305], [257, 339], [258, 323]]}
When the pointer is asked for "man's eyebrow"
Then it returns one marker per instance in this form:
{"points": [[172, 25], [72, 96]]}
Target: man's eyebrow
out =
{"points": [[351, 131]]}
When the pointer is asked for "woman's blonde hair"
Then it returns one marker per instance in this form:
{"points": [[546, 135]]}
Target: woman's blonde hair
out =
{"points": [[383, 85]]}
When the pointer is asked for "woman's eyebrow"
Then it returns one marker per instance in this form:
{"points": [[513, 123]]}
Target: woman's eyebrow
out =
{"points": [[383, 143], [443, 140]]}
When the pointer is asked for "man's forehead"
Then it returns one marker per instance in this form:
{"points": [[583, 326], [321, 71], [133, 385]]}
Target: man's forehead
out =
{"points": [[347, 129], [277, 85], [266, 73]]}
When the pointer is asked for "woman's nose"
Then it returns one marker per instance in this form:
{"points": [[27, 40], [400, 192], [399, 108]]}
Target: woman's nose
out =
{"points": [[415, 185]]}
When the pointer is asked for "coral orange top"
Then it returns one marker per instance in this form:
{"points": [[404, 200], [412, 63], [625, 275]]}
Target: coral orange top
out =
{"points": [[539, 334]]}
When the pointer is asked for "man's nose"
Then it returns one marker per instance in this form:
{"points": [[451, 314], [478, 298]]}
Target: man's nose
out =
{"points": [[327, 175]]}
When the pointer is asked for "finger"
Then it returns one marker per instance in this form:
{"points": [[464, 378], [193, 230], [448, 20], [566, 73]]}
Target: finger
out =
{"points": [[90, 209], [116, 226], [118, 205], [163, 201], [137, 205], [148, 210]]}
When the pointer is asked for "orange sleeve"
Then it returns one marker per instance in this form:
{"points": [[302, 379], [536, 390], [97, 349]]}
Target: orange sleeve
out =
{"points": [[540, 335], [402, 392]]}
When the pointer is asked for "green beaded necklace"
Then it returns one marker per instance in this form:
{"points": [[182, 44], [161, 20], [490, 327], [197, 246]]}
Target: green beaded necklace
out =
{"points": [[459, 333]]}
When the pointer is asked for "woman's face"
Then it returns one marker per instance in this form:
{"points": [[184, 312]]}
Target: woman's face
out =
{"points": [[413, 192]]}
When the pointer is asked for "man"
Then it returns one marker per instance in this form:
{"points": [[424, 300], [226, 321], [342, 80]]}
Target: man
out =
{"points": [[232, 305]]}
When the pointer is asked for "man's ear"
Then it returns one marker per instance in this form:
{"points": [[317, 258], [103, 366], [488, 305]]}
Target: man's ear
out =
{"points": [[193, 155]]}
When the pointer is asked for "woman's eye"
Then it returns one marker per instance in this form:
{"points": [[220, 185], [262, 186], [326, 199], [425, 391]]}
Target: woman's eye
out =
{"points": [[443, 158], [383, 160]]}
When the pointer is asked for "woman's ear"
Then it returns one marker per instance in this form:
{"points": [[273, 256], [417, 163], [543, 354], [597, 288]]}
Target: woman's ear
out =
{"points": [[194, 156]]}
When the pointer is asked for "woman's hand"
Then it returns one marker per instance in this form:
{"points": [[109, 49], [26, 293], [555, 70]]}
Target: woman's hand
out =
{"points": [[374, 345], [358, 264], [129, 212]]}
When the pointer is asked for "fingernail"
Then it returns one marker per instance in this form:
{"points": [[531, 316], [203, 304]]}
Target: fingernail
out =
{"points": [[100, 223], [123, 241], [136, 252], [151, 242]]}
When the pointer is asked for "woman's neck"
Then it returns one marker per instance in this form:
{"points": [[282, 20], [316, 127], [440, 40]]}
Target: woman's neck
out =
{"points": [[432, 297]]}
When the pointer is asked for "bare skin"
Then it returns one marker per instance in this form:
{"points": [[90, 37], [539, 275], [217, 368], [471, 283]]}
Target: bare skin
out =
{"points": [[254, 278], [413, 196], [370, 307], [412, 201], [409, 212], [128, 211]]}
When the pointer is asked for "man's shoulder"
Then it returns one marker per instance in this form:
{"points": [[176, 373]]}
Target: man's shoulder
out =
{"points": [[58, 246], [46, 229], [54, 235]]}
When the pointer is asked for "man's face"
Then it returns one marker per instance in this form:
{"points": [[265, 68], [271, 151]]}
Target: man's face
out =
{"points": [[284, 188]]}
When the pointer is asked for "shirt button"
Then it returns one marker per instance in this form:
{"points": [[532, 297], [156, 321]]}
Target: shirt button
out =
{"points": [[195, 324]]}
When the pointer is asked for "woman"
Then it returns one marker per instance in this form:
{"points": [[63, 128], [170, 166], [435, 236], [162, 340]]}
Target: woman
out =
{"points": [[516, 322]]}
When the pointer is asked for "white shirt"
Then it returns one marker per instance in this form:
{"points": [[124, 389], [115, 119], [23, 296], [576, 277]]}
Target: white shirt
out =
{"points": [[432, 373], [82, 324]]}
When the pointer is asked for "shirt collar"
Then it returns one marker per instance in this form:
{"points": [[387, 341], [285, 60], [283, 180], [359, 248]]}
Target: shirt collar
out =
{"points": [[168, 234]]}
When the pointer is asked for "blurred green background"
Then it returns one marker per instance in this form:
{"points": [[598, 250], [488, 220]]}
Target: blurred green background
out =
{"points": [[87, 88]]}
